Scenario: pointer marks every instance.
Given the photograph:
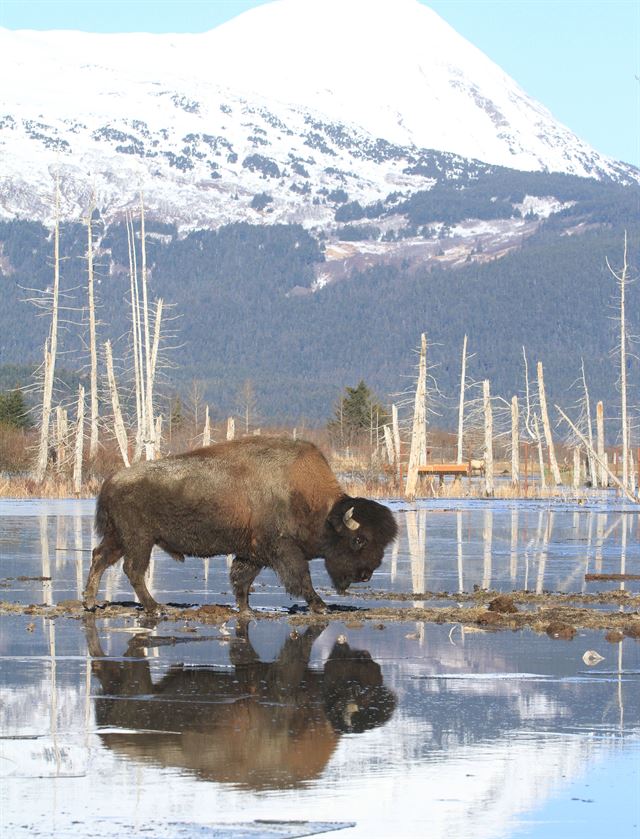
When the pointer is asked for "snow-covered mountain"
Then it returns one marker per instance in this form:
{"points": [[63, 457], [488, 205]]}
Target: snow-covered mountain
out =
{"points": [[278, 115]]}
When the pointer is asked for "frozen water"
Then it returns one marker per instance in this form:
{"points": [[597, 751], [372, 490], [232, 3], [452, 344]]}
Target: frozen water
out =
{"points": [[409, 730], [443, 546]]}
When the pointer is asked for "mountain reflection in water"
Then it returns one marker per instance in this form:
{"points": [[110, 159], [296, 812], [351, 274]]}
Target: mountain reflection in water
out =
{"points": [[262, 725]]}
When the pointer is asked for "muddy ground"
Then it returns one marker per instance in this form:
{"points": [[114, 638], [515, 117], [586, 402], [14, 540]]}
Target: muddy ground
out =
{"points": [[557, 615]]}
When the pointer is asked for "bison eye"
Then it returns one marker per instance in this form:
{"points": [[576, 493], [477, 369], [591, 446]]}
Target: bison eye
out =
{"points": [[358, 542]]}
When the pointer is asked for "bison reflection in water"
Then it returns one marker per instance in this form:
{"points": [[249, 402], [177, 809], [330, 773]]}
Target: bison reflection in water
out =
{"points": [[263, 725], [272, 502]]}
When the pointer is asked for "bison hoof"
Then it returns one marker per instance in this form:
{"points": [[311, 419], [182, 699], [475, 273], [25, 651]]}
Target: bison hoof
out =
{"points": [[318, 608]]}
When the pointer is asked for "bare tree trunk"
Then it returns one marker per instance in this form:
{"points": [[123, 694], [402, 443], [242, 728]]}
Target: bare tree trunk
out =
{"points": [[600, 438], [118, 424], [388, 441], [461, 402], [157, 436], [536, 429], [585, 443], [527, 416], [515, 443], [51, 347], [93, 350], [622, 279], [396, 438], [632, 470], [149, 433], [79, 443], [136, 336], [488, 439], [206, 434], [592, 464], [153, 441], [231, 428], [576, 467], [61, 437], [418, 453], [547, 427], [155, 347], [623, 370]]}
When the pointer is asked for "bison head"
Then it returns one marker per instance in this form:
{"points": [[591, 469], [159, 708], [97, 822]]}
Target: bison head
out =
{"points": [[357, 531], [354, 693]]}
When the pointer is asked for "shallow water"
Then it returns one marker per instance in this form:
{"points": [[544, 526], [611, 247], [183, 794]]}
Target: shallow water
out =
{"points": [[410, 730], [452, 546]]}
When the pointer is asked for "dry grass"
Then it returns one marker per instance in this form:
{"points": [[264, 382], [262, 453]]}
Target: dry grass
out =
{"points": [[52, 487], [61, 486], [359, 472], [474, 488]]}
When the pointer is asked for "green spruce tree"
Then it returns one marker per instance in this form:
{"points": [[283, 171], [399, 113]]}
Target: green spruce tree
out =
{"points": [[358, 415], [13, 409]]}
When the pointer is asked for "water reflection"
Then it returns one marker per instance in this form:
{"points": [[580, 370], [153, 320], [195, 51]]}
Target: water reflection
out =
{"points": [[464, 736], [261, 725], [511, 547], [520, 545]]}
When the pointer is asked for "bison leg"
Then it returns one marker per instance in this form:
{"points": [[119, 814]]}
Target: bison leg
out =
{"points": [[107, 553], [292, 567], [135, 566], [243, 573]]}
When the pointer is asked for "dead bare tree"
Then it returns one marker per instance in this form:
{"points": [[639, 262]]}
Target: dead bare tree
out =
{"points": [[93, 351], [587, 407], [206, 434], [50, 349], [621, 276], [418, 451], [625, 490], [600, 440], [145, 345], [118, 424], [461, 400], [538, 439], [247, 404], [61, 437], [515, 442], [488, 439], [79, 443], [136, 338], [555, 471], [396, 439]]}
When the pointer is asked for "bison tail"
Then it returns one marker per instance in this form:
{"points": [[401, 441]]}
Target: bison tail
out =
{"points": [[103, 522]]}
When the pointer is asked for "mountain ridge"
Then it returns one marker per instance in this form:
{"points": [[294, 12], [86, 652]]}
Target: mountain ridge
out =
{"points": [[392, 88]]}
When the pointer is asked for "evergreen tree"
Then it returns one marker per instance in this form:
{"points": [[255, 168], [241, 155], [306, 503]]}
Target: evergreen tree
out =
{"points": [[13, 409], [357, 414]]}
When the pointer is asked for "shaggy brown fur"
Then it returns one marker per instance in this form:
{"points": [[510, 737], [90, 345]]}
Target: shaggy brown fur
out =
{"points": [[272, 502]]}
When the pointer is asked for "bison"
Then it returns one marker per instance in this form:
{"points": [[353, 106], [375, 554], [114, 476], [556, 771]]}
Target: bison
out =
{"points": [[262, 725], [273, 503]]}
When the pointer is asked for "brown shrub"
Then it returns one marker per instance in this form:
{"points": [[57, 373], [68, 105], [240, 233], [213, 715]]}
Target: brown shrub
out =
{"points": [[16, 453]]}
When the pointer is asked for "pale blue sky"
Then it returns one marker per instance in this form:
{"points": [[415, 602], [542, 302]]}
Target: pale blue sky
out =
{"points": [[580, 59]]}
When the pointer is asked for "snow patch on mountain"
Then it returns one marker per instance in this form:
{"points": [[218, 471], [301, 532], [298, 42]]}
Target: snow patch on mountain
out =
{"points": [[282, 114]]}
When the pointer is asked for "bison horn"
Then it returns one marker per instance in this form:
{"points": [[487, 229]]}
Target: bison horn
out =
{"points": [[349, 521], [351, 708]]}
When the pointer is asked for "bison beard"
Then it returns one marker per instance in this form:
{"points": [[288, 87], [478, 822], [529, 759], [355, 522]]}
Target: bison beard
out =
{"points": [[269, 501]]}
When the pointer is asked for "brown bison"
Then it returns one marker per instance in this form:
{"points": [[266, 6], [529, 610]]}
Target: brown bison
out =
{"points": [[261, 725], [273, 503]]}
